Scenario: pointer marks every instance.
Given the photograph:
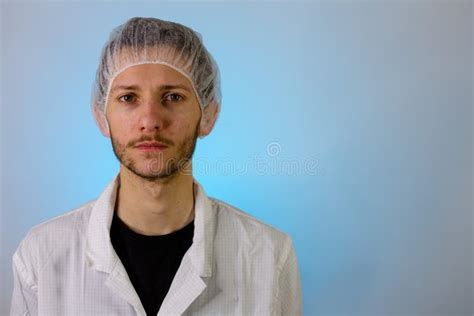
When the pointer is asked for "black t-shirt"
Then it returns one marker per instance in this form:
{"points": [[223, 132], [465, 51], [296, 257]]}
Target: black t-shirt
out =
{"points": [[151, 261]]}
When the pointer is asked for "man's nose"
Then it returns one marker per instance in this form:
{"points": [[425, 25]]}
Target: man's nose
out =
{"points": [[153, 116]]}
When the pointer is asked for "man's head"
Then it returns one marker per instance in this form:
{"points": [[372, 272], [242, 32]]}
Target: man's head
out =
{"points": [[173, 94]]}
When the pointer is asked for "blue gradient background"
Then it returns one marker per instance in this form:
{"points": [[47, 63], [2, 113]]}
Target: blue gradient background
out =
{"points": [[378, 95]]}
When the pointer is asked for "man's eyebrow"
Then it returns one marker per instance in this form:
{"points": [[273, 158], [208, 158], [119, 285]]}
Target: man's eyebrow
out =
{"points": [[162, 87]]}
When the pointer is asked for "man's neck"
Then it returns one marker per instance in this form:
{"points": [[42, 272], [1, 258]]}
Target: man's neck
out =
{"points": [[155, 208]]}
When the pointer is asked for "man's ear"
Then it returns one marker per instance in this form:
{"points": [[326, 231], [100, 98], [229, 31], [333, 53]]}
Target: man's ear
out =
{"points": [[209, 118], [101, 121]]}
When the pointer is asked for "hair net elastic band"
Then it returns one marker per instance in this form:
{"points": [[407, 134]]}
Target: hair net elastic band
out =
{"points": [[152, 62]]}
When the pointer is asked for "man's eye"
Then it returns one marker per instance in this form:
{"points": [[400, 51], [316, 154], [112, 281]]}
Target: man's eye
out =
{"points": [[173, 97], [127, 98]]}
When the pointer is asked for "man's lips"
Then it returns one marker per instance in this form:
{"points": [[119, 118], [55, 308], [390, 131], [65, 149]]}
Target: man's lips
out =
{"points": [[150, 146]]}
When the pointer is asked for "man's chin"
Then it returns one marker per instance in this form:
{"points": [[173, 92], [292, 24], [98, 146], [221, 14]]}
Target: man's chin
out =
{"points": [[154, 171], [156, 175], [155, 168]]}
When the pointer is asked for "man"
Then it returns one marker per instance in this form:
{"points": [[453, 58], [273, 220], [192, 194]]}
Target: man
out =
{"points": [[153, 243]]}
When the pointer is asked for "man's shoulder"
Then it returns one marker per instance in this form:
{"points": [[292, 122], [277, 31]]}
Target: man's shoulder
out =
{"points": [[46, 240], [250, 230], [73, 220], [57, 231]]}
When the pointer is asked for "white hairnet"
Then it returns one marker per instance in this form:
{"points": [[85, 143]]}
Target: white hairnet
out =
{"points": [[150, 40]]}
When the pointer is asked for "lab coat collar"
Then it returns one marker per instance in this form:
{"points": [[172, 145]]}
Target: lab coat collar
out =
{"points": [[102, 256]]}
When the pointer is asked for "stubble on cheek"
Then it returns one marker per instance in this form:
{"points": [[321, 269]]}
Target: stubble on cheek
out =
{"points": [[119, 150]]}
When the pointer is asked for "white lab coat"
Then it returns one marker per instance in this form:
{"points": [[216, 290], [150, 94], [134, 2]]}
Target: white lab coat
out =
{"points": [[236, 265]]}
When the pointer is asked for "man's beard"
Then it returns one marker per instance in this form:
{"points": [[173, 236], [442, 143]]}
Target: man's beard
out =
{"points": [[157, 168]]}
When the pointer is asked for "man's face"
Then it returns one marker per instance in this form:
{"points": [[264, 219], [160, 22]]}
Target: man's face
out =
{"points": [[153, 103]]}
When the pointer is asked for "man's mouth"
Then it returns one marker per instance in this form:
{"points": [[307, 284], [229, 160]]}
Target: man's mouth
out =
{"points": [[150, 146]]}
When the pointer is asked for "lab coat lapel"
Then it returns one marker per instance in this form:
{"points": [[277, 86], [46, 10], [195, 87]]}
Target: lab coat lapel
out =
{"points": [[186, 287], [196, 264], [119, 282], [100, 253]]}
